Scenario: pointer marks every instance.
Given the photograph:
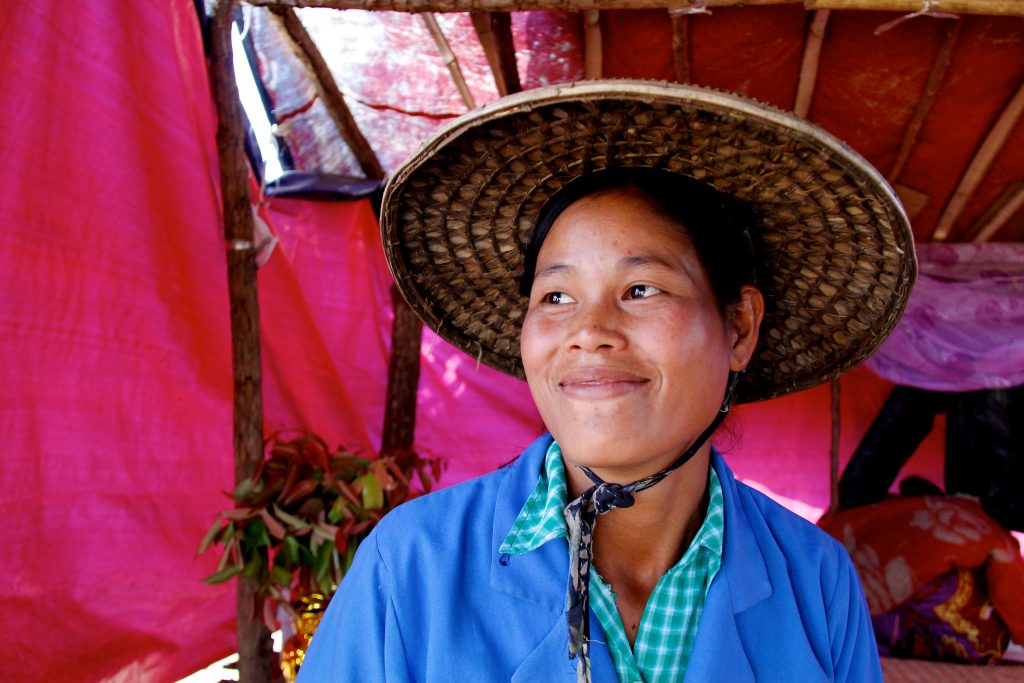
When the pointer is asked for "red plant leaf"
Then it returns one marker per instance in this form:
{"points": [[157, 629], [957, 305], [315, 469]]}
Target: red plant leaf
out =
{"points": [[299, 491], [275, 527]]}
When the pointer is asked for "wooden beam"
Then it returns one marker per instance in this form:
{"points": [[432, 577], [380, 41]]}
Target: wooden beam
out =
{"points": [[997, 215], [403, 377], [681, 44], [927, 99], [986, 154], [256, 661], [327, 90], [417, 6], [994, 7], [494, 30], [593, 65], [450, 60], [834, 450], [809, 66]]}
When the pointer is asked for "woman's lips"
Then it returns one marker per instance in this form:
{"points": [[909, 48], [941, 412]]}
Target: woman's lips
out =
{"points": [[600, 383]]}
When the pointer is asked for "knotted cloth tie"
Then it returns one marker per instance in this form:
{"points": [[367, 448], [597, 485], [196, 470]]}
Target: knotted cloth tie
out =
{"points": [[581, 517]]}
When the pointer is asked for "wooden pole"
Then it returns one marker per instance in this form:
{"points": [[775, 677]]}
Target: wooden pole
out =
{"points": [[403, 377], [834, 450], [593, 65], [494, 30], [681, 45], [924, 104], [256, 662], [997, 215], [809, 66], [987, 153], [327, 90], [994, 7], [450, 60]]}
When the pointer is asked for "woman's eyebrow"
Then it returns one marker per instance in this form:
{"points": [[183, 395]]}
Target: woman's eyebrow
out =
{"points": [[637, 260], [553, 268]]}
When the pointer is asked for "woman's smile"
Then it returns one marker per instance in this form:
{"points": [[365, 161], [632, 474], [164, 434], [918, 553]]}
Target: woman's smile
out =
{"points": [[599, 383]]}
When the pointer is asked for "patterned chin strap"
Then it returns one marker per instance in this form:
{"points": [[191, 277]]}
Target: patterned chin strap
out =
{"points": [[581, 518]]}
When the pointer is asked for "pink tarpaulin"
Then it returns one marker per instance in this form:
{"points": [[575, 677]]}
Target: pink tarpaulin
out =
{"points": [[114, 338]]}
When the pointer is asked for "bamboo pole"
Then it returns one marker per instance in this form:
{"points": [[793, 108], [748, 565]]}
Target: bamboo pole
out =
{"points": [[494, 30], [924, 104], [681, 45], [450, 60], [255, 654], [809, 66], [994, 7], [327, 90], [997, 215], [987, 153], [593, 65], [403, 377]]}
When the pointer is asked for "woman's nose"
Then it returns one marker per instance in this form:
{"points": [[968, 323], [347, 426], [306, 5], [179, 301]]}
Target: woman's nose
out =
{"points": [[596, 326]]}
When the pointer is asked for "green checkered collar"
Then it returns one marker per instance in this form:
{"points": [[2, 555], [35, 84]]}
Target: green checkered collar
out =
{"points": [[541, 518]]}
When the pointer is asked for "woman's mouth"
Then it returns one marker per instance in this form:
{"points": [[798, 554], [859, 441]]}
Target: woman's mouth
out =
{"points": [[600, 383]]}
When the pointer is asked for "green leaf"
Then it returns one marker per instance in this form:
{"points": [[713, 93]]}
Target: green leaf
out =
{"points": [[252, 568], [373, 494], [290, 520], [243, 490], [223, 575], [227, 534], [291, 549], [323, 560], [281, 576], [208, 538]]}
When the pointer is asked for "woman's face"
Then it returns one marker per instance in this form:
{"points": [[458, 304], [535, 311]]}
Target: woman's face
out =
{"points": [[626, 351]]}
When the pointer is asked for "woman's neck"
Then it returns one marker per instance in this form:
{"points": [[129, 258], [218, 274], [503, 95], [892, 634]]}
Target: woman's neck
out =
{"points": [[635, 546]]}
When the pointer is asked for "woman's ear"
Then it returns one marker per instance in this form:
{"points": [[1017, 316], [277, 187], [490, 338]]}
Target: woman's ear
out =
{"points": [[744, 321]]}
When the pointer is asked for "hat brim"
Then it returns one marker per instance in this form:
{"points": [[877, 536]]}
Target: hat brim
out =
{"points": [[836, 246]]}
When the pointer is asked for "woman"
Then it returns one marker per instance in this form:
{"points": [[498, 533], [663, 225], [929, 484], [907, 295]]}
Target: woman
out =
{"points": [[623, 246]]}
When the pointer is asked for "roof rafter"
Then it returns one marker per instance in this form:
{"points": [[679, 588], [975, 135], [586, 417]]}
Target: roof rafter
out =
{"points": [[986, 154], [924, 104], [809, 65], [450, 60], [494, 30], [308, 53]]}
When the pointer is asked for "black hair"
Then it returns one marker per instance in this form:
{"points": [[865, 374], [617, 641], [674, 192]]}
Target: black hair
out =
{"points": [[717, 223]]}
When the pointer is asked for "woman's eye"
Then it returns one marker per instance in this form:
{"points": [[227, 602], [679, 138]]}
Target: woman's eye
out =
{"points": [[642, 291], [557, 298]]}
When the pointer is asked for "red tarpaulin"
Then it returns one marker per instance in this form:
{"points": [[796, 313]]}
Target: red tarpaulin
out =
{"points": [[114, 339]]}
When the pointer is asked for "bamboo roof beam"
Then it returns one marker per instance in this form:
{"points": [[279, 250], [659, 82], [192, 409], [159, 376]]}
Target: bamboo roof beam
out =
{"points": [[986, 154], [327, 90], [593, 65], [809, 65], [450, 60], [991, 7], [681, 44], [997, 215], [927, 99], [255, 655], [494, 30]]}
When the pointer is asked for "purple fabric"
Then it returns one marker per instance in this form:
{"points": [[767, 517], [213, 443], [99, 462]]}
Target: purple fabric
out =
{"points": [[949, 619], [964, 324]]}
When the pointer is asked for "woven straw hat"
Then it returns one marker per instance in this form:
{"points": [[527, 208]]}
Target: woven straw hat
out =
{"points": [[836, 245]]}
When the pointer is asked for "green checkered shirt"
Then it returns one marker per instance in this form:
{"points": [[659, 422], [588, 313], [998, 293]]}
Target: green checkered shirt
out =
{"points": [[669, 624]]}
